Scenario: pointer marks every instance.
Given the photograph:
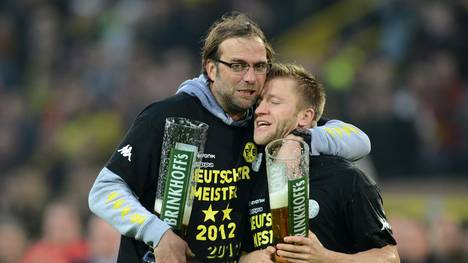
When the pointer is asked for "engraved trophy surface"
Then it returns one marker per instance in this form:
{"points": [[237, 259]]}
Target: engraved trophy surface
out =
{"points": [[287, 163], [181, 154]]}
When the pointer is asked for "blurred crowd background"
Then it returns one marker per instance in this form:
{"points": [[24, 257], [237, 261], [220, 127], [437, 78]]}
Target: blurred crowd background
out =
{"points": [[74, 74]]}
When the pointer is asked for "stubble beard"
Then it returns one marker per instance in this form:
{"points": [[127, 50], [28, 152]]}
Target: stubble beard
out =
{"points": [[232, 103], [280, 131]]}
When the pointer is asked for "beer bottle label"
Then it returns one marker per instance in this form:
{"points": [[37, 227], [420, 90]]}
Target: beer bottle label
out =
{"points": [[298, 206], [181, 160]]}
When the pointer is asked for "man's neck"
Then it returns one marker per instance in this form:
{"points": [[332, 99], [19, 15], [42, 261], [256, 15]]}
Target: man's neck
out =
{"points": [[238, 116]]}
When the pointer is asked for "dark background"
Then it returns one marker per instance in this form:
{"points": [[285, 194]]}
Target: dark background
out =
{"points": [[73, 75]]}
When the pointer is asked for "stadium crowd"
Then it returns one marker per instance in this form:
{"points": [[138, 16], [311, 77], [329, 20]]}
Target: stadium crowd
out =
{"points": [[73, 74]]}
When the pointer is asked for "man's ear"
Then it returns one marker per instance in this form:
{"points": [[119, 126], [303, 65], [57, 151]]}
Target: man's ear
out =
{"points": [[210, 68], [306, 118]]}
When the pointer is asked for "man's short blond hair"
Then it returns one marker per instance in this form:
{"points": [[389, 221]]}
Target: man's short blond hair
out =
{"points": [[310, 91]]}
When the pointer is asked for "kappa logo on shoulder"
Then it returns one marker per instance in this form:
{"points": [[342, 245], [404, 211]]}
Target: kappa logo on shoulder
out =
{"points": [[385, 224], [250, 152], [126, 151]]}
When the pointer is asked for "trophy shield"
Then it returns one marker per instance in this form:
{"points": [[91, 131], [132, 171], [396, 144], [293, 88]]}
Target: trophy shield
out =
{"points": [[181, 155], [287, 163]]}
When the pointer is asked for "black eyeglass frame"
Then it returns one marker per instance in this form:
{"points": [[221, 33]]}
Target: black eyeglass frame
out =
{"points": [[244, 66]]}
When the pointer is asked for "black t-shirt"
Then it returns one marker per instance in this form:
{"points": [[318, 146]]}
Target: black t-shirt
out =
{"points": [[215, 230], [345, 209]]}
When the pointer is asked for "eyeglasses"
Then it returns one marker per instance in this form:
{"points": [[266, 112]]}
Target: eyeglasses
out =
{"points": [[243, 67]]}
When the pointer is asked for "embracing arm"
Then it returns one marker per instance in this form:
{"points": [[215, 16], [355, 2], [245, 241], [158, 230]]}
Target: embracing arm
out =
{"points": [[111, 199], [340, 139]]}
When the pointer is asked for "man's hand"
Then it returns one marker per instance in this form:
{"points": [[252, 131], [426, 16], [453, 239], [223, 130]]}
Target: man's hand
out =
{"points": [[172, 249], [290, 148], [305, 249], [304, 134], [311, 250], [259, 256]]}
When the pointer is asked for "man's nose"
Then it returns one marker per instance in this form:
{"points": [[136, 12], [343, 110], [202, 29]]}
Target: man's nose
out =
{"points": [[261, 108], [249, 76]]}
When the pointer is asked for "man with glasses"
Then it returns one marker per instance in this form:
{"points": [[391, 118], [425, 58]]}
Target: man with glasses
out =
{"points": [[242, 67], [236, 58]]}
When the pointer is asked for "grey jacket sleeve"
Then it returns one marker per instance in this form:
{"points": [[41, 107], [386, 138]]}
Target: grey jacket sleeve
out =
{"points": [[111, 199], [340, 139]]}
